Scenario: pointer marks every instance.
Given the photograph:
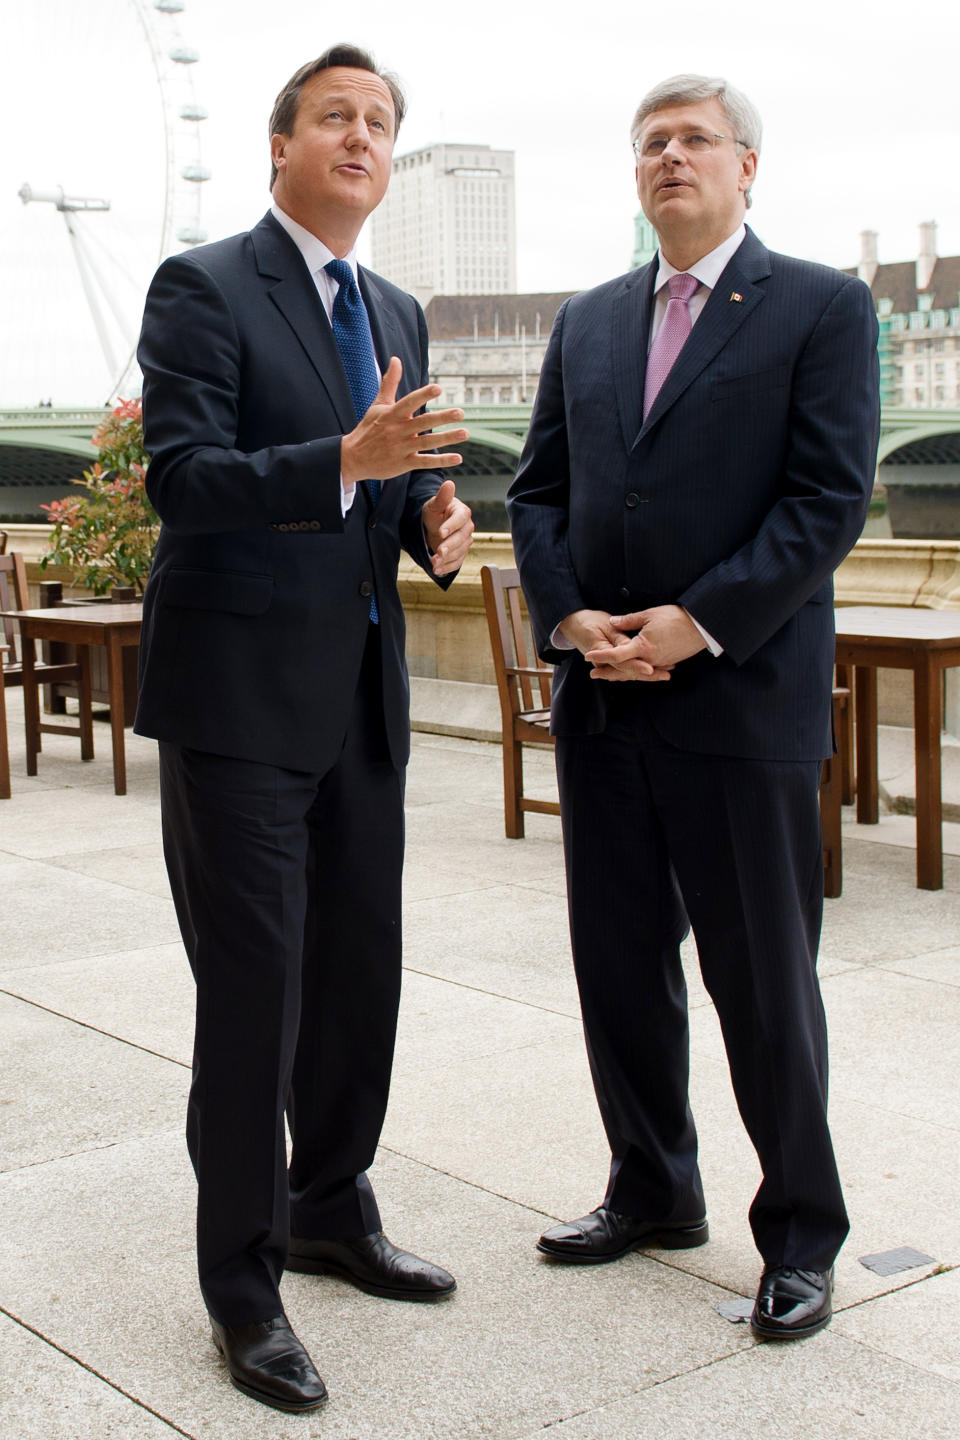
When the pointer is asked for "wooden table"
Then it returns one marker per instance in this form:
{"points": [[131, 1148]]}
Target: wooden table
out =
{"points": [[872, 637], [112, 626]]}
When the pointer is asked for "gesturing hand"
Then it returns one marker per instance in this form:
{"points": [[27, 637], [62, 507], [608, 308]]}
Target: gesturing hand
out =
{"points": [[391, 437], [448, 524]]}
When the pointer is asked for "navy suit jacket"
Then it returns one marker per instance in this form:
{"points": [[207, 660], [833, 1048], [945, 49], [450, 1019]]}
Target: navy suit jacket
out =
{"points": [[737, 497], [256, 612]]}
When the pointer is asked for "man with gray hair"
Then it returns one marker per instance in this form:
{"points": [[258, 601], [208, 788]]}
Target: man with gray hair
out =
{"points": [[699, 461]]}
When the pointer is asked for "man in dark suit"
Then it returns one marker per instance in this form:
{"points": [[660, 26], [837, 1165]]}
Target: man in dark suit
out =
{"points": [[288, 474], [677, 516]]}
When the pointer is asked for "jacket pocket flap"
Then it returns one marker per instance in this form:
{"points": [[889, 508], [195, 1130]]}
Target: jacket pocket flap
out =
{"points": [[754, 382], [230, 590]]}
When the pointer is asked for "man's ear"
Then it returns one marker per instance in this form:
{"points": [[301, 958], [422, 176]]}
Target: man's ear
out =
{"points": [[277, 146], [748, 169]]}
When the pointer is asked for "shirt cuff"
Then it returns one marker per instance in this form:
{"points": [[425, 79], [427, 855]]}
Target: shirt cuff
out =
{"points": [[348, 493], [559, 641], [711, 644]]}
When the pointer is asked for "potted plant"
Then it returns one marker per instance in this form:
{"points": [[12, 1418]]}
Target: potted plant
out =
{"points": [[107, 536]]}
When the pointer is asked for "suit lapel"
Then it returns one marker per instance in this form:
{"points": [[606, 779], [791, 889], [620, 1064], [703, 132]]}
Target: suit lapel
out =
{"points": [[736, 294], [295, 296], [631, 327], [388, 338]]}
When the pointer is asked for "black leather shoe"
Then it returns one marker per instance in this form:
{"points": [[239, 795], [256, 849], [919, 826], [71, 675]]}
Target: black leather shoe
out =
{"points": [[604, 1235], [267, 1362], [373, 1264], [792, 1303]]}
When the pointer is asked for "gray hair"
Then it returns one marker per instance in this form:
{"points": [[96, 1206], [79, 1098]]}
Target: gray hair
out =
{"points": [[741, 113]]}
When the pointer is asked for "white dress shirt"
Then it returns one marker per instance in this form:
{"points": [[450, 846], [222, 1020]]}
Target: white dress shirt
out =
{"points": [[708, 271], [316, 256]]}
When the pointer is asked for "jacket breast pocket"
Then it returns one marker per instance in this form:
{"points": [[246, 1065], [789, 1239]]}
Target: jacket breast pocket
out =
{"points": [[751, 383], [234, 591]]}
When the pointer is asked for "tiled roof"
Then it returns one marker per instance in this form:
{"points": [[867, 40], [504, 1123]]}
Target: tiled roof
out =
{"points": [[899, 283], [451, 317]]}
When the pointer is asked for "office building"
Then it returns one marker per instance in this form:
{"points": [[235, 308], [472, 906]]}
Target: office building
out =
{"points": [[447, 225]]}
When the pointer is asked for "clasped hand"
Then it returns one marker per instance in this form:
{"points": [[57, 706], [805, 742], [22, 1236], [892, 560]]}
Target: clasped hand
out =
{"points": [[644, 645]]}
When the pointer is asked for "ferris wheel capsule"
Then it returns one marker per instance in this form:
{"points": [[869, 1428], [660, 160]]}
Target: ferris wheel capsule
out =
{"points": [[192, 112], [184, 55], [170, 7]]}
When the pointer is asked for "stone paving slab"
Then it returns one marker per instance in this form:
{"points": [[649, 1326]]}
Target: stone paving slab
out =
{"points": [[51, 915], [48, 1395], [825, 1388], [155, 1013], [917, 1324], [139, 867], [492, 1131], [941, 966], [522, 1343], [65, 1088]]}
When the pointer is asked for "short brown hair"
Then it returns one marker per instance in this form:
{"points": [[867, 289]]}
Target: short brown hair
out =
{"points": [[287, 103]]}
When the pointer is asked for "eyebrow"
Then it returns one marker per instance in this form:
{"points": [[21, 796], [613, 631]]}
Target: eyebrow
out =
{"points": [[342, 100]]}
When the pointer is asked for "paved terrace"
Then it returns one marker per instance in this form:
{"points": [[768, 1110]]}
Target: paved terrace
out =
{"points": [[492, 1133]]}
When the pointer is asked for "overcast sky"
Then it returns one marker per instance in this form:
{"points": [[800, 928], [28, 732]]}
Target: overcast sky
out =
{"points": [[861, 130]]}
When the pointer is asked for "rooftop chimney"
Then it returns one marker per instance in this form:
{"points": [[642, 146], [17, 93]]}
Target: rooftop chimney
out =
{"points": [[867, 268], [927, 255]]}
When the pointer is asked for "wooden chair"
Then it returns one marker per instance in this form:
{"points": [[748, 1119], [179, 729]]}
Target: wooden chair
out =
{"points": [[524, 690], [14, 595], [832, 798]]}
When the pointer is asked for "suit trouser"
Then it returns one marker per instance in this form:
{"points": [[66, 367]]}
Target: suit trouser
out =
{"points": [[287, 889], [653, 835]]}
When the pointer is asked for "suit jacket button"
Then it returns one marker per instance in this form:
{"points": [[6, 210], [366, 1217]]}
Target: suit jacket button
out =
{"points": [[632, 500], [372, 523], [366, 589], [623, 593]]}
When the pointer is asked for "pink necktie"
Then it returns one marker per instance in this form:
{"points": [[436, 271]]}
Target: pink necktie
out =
{"points": [[670, 338]]}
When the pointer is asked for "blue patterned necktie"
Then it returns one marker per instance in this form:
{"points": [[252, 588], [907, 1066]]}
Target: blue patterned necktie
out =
{"points": [[351, 331]]}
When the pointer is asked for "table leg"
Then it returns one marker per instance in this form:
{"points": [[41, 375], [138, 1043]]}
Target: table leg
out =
{"points": [[4, 750], [86, 714], [868, 789], [845, 740], [926, 723], [31, 703], [115, 691]]}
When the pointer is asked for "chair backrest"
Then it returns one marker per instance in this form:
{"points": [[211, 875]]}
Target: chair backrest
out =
{"points": [[520, 674], [14, 595]]}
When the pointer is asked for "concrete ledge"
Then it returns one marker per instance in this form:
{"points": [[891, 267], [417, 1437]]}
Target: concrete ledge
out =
{"points": [[897, 771], [925, 573], [455, 707]]}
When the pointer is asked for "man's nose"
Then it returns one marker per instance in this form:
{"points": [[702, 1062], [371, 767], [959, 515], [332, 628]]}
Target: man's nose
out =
{"points": [[358, 133], [673, 152]]}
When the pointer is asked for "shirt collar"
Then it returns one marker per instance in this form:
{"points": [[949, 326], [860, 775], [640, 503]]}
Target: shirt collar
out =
{"points": [[313, 250], [709, 268]]}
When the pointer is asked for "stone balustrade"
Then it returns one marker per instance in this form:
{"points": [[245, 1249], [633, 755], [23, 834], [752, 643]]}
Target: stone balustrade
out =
{"points": [[447, 633]]}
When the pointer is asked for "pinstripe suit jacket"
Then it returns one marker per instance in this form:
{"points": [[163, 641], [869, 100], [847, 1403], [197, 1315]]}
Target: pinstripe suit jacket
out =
{"points": [[736, 497], [256, 613]]}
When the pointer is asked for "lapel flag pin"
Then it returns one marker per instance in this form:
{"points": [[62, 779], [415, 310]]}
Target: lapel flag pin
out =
{"points": [[735, 296]]}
